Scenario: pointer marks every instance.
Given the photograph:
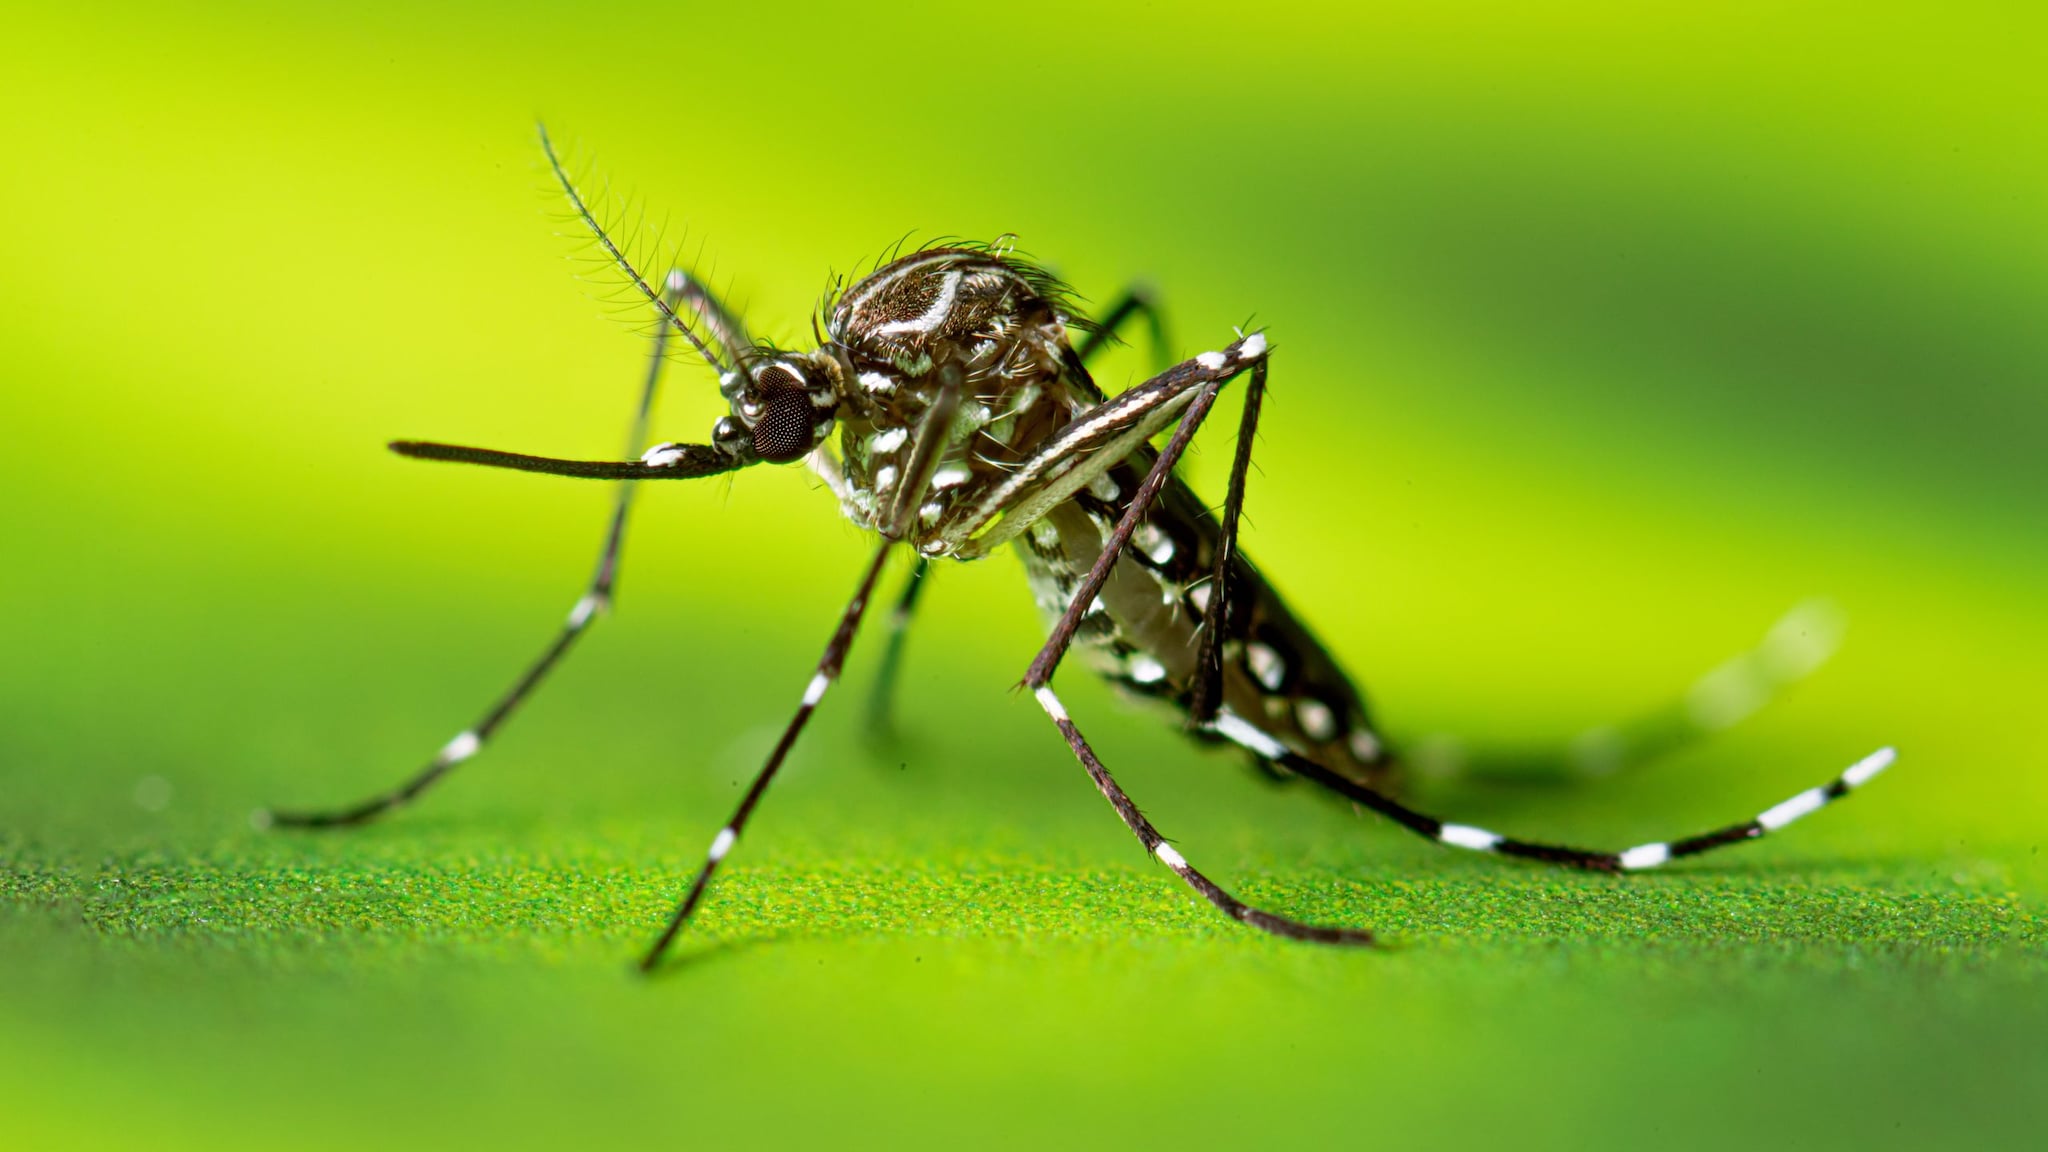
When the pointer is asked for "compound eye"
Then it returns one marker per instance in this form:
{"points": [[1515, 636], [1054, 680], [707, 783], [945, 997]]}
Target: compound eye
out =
{"points": [[783, 433]]}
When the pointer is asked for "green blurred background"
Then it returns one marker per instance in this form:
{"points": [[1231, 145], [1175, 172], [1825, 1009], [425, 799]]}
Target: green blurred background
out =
{"points": [[1605, 336]]}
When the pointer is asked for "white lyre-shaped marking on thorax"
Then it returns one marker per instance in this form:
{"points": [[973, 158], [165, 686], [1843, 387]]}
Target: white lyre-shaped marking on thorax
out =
{"points": [[942, 304]]}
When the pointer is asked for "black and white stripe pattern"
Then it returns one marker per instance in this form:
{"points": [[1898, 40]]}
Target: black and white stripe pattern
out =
{"points": [[967, 420], [1207, 696], [1215, 370], [829, 666], [881, 701], [1219, 367], [925, 452], [1094, 441], [1231, 726], [596, 599], [1168, 855], [1643, 856]]}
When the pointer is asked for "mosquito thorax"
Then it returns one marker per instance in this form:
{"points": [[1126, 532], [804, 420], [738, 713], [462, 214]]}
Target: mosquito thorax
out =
{"points": [[995, 322], [968, 422]]}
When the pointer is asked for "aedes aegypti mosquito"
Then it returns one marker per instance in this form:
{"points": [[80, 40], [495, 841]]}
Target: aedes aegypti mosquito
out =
{"points": [[967, 420]]}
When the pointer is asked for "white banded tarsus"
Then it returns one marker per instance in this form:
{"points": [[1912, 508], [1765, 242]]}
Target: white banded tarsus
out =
{"points": [[968, 420]]}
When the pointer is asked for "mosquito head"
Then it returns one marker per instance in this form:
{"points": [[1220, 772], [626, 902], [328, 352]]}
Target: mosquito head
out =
{"points": [[783, 405]]}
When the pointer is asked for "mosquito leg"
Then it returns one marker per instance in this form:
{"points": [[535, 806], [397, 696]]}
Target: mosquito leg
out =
{"points": [[1795, 647], [828, 669], [1250, 354], [597, 597], [925, 453], [1205, 696], [724, 326], [1156, 844], [1039, 677], [1249, 736], [881, 703], [1136, 300]]}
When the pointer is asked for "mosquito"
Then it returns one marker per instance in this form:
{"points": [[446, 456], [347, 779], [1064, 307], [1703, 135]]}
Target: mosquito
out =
{"points": [[956, 380]]}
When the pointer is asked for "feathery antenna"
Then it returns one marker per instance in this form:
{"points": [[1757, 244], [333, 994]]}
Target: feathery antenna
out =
{"points": [[618, 257]]}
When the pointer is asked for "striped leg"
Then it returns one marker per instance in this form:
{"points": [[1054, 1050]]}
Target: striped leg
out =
{"points": [[1219, 368], [1206, 694], [597, 597], [1156, 844], [1795, 647], [931, 436], [1039, 677], [881, 702], [1247, 735], [828, 669]]}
